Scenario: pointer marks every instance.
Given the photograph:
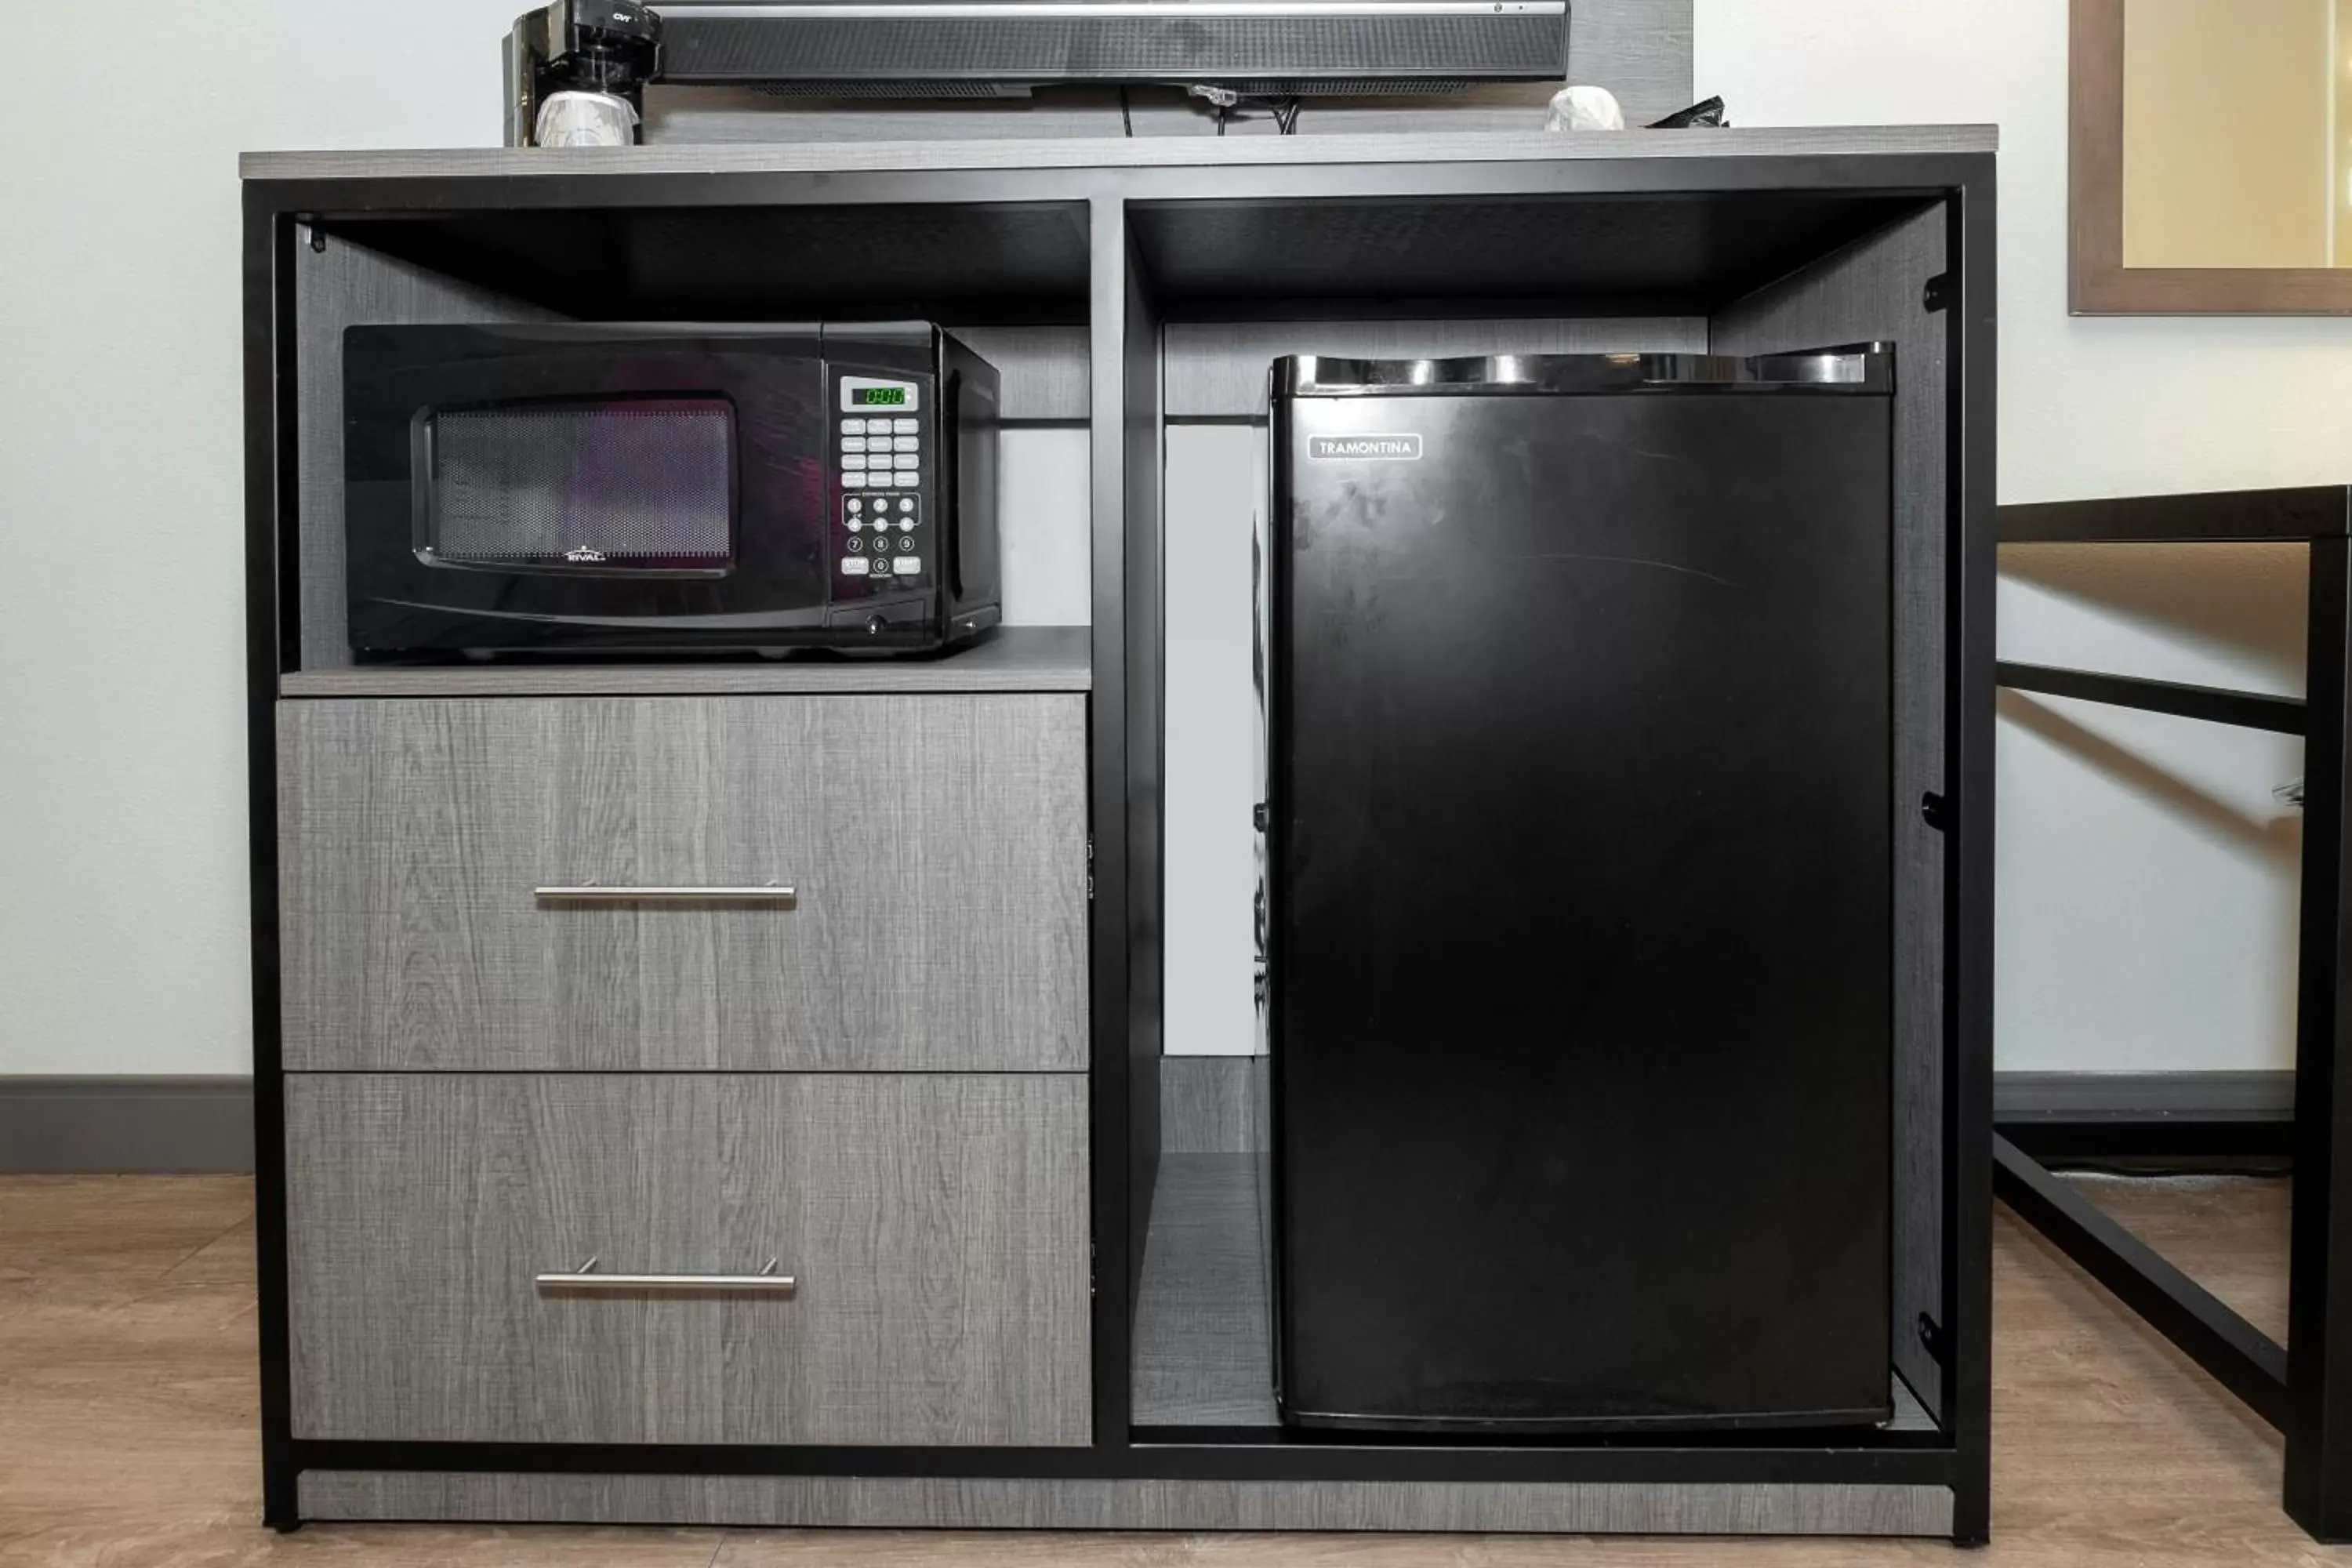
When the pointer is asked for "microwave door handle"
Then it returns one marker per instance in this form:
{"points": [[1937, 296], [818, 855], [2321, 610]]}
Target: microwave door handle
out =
{"points": [[945, 520]]}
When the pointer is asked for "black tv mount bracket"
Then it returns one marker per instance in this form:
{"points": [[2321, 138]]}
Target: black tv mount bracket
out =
{"points": [[1006, 48]]}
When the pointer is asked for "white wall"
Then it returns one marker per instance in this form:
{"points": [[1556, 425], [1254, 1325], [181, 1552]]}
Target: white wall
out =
{"points": [[122, 892], [2146, 875], [2147, 891]]}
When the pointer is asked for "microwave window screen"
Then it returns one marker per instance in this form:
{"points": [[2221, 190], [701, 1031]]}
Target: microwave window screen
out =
{"points": [[647, 484]]}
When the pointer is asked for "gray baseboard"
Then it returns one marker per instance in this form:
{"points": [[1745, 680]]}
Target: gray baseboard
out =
{"points": [[1205, 1100], [126, 1126], [2143, 1096], [154, 1125]]}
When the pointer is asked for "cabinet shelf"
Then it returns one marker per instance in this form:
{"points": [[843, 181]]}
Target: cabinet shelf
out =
{"points": [[1016, 658]]}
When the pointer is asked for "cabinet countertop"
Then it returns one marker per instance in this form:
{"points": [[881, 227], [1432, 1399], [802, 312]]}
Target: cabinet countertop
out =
{"points": [[1121, 152]]}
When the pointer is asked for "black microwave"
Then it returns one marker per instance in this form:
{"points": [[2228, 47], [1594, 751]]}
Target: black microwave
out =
{"points": [[666, 489]]}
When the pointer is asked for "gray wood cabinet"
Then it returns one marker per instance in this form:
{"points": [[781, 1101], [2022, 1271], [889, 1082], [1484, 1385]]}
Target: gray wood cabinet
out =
{"points": [[935, 1227], [936, 846], [929, 1089]]}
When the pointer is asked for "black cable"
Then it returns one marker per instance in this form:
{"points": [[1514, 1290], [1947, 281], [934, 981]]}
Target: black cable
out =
{"points": [[1125, 117]]}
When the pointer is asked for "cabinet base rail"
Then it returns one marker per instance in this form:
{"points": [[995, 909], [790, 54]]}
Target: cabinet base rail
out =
{"points": [[1750, 1508]]}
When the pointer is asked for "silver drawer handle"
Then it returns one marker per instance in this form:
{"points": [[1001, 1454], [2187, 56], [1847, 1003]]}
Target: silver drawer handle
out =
{"points": [[585, 1277], [784, 896]]}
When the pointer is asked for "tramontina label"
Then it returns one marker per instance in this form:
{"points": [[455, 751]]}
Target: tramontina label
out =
{"points": [[1364, 448]]}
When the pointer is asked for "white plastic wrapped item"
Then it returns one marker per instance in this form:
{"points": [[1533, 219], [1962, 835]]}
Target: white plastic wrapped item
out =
{"points": [[1584, 109], [576, 118]]}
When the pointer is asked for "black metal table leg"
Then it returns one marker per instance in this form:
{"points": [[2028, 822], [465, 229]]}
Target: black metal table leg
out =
{"points": [[2312, 1405], [2319, 1339]]}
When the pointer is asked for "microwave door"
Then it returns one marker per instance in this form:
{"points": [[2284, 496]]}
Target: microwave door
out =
{"points": [[509, 494]]}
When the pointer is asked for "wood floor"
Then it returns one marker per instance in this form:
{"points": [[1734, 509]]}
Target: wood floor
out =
{"points": [[127, 1426]]}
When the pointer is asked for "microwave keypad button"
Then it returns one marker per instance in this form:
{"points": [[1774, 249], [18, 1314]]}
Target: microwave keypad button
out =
{"points": [[882, 567], [855, 526], [906, 503], [906, 443], [856, 545], [853, 443], [908, 565], [855, 504], [905, 543], [853, 427], [853, 565], [903, 426]]}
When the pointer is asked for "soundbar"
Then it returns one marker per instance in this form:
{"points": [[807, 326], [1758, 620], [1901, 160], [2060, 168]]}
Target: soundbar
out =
{"points": [[985, 49]]}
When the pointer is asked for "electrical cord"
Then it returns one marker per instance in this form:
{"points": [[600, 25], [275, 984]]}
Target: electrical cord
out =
{"points": [[1126, 117], [1223, 102]]}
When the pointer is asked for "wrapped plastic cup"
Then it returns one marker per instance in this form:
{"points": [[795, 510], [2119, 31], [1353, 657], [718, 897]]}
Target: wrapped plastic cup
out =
{"points": [[575, 119], [1584, 109]]}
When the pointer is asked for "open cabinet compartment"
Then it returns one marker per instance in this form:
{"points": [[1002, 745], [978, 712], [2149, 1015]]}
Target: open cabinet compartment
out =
{"points": [[1008, 277], [1231, 286]]}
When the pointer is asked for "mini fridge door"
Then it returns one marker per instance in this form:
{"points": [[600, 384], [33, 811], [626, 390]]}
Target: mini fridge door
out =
{"points": [[1580, 876]]}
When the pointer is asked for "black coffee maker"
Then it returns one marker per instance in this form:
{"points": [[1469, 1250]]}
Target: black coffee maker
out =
{"points": [[576, 73]]}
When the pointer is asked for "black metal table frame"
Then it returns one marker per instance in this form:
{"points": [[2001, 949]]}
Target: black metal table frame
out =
{"points": [[1124, 378], [2303, 1388]]}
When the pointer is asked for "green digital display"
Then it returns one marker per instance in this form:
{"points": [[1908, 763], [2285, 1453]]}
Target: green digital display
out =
{"points": [[878, 396]]}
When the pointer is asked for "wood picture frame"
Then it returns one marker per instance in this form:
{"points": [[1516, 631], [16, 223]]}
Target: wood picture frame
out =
{"points": [[2099, 284]]}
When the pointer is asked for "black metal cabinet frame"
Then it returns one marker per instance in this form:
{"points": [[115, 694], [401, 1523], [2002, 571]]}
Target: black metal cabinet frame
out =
{"points": [[464, 220], [2303, 1388]]}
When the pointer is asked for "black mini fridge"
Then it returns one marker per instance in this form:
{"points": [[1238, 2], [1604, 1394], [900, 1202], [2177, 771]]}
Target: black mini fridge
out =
{"points": [[1578, 890]]}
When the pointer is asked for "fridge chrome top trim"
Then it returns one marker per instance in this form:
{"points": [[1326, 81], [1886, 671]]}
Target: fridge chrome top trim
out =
{"points": [[1867, 368], [1095, 10]]}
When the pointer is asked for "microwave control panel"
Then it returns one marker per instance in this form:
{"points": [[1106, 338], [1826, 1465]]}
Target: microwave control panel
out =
{"points": [[881, 453]]}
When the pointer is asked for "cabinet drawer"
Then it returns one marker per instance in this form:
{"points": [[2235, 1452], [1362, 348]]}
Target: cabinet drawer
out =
{"points": [[933, 1225], [935, 848]]}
